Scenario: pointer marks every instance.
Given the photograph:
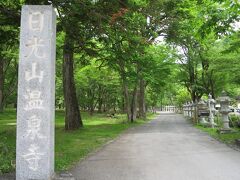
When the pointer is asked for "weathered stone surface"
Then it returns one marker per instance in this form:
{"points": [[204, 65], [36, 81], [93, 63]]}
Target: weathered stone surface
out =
{"points": [[36, 94], [226, 131], [64, 176], [212, 110], [224, 101]]}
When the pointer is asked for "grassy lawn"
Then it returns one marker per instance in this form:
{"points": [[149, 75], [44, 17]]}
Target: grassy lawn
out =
{"points": [[226, 138], [70, 147]]}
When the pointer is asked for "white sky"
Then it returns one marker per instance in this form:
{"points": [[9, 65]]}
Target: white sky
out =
{"points": [[236, 26]]}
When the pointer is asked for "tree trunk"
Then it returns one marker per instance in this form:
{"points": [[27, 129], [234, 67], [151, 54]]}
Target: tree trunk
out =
{"points": [[105, 107], [142, 108], [100, 103], [123, 109], [114, 105], [134, 104], [1, 85], [91, 102], [212, 85], [126, 100], [100, 99], [72, 113]]}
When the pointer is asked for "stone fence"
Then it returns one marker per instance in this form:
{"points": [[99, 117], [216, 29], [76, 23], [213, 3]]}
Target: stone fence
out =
{"points": [[170, 108], [203, 112]]}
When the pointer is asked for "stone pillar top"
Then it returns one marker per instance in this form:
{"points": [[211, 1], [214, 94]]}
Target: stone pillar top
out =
{"points": [[224, 97]]}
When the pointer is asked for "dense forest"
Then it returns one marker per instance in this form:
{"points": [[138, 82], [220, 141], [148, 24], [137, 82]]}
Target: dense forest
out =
{"points": [[130, 55]]}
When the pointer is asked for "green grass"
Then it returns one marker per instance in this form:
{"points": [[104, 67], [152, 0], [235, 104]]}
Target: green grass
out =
{"points": [[226, 138], [70, 147]]}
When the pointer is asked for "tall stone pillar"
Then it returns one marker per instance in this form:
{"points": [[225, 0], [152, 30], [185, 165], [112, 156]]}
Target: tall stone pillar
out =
{"points": [[36, 94]]}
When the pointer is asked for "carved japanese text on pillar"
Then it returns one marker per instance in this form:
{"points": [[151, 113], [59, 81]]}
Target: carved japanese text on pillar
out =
{"points": [[35, 51], [36, 93]]}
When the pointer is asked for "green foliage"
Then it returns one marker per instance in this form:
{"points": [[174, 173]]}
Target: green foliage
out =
{"points": [[182, 96], [234, 120], [226, 138], [98, 86], [7, 156], [117, 35], [139, 3]]}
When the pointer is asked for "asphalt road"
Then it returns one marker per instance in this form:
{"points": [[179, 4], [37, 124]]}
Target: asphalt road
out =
{"points": [[167, 148]]}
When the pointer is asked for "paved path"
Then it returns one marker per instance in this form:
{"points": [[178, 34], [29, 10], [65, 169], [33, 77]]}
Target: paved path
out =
{"points": [[167, 148]]}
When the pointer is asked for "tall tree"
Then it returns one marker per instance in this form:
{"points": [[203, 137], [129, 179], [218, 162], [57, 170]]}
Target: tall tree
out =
{"points": [[10, 21]]}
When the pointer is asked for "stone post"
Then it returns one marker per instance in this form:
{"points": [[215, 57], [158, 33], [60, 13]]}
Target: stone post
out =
{"points": [[195, 119], [224, 110], [184, 110], [190, 109], [211, 104], [183, 107], [202, 108], [192, 112], [36, 94]]}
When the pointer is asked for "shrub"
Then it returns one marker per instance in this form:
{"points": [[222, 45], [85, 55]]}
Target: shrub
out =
{"points": [[5, 158], [234, 120]]}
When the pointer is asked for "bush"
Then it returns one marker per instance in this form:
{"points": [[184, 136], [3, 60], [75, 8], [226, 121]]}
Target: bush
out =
{"points": [[234, 120], [5, 158]]}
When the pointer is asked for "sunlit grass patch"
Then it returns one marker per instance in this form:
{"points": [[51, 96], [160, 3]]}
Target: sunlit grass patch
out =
{"points": [[228, 138], [70, 146]]}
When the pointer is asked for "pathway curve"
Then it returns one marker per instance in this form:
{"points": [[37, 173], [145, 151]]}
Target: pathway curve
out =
{"points": [[167, 148]]}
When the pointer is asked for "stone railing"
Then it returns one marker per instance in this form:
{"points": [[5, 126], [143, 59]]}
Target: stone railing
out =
{"points": [[203, 112], [169, 108], [189, 110]]}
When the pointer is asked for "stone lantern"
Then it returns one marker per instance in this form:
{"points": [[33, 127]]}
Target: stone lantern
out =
{"points": [[203, 112], [224, 101], [212, 110]]}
